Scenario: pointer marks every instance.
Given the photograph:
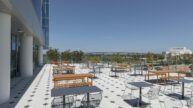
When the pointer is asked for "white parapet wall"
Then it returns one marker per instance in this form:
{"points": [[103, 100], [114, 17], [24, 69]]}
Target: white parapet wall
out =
{"points": [[39, 91]]}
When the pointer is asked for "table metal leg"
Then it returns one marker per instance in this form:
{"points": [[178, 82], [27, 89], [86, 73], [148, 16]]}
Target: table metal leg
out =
{"points": [[116, 72], [64, 101], [178, 76], [140, 97], [93, 69], [88, 99], [182, 90], [135, 71]]}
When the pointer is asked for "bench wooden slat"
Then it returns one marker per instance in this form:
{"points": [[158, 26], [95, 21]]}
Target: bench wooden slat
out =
{"points": [[146, 75], [77, 84], [171, 77], [71, 77]]}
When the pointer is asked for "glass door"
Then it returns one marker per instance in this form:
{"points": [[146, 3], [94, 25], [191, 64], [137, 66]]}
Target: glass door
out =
{"points": [[15, 52], [13, 56]]}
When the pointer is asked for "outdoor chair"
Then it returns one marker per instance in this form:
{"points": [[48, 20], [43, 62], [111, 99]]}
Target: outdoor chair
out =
{"points": [[191, 88], [170, 86], [152, 94], [170, 102], [131, 88], [190, 102], [58, 101], [94, 100], [174, 84]]}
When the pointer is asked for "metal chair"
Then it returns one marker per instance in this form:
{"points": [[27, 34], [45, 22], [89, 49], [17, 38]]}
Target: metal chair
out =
{"points": [[131, 88], [94, 100], [58, 101], [172, 103], [152, 94], [171, 86], [190, 88], [190, 102]]}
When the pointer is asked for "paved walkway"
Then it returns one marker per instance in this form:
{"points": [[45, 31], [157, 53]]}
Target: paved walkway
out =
{"points": [[19, 85]]}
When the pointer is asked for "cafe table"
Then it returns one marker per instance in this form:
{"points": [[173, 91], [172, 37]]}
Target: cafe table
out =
{"points": [[182, 80], [74, 91], [140, 85]]}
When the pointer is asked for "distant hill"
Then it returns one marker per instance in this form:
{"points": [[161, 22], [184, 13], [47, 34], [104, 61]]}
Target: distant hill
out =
{"points": [[111, 53]]}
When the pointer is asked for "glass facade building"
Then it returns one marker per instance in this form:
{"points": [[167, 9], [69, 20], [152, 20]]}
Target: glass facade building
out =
{"points": [[45, 21], [23, 35], [42, 11]]}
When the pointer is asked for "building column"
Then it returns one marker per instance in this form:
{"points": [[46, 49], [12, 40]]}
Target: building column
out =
{"points": [[26, 56], [40, 55], [5, 38]]}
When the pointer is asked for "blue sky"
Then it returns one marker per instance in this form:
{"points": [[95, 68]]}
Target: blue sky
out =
{"points": [[121, 25]]}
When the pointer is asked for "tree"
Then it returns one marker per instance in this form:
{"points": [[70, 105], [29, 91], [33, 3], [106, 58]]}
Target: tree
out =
{"points": [[169, 58], [117, 58], [187, 58], [53, 54], [105, 58], [66, 56], [77, 56], [150, 57], [94, 59]]}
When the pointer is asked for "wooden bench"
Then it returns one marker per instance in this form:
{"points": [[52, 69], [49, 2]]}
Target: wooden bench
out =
{"points": [[170, 77], [59, 80], [74, 84], [71, 77], [146, 75]]}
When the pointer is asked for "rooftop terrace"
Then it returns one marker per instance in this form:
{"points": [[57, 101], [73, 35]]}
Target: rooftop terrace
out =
{"points": [[114, 94]]}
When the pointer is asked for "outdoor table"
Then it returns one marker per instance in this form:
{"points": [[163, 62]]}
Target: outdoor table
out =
{"points": [[94, 70], [74, 91], [114, 69], [137, 67], [69, 70], [183, 81], [100, 66], [140, 85], [97, 67], [117, 69]]}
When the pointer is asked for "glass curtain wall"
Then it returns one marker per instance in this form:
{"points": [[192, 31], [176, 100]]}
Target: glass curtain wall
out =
{"points": [[45, 21]]}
